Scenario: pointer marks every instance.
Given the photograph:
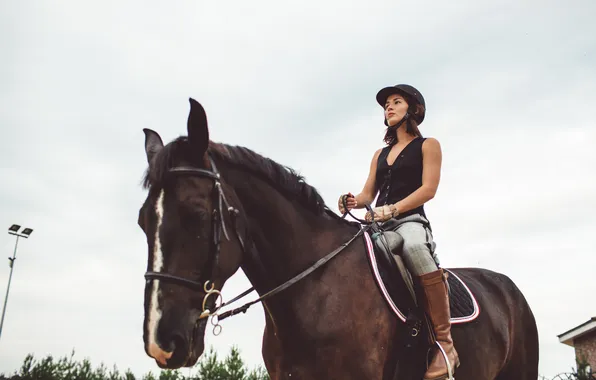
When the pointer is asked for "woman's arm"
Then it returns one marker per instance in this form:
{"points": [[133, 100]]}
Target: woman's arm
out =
{"points": [[431, 175]]}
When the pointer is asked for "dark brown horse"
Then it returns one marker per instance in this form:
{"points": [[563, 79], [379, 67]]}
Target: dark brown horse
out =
{"points": [[213, 208]]}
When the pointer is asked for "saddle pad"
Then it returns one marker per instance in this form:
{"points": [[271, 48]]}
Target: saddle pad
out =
{"points": [[463, 304]]}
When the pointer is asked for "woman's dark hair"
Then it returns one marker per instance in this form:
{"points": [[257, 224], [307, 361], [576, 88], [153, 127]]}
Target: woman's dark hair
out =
{"points": [[412, 122]]}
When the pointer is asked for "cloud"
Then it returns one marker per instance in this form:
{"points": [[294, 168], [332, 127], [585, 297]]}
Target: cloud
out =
{"points": [[509, 88]]}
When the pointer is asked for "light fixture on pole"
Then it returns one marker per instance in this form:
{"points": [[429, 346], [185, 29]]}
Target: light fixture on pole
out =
{"points": [[13, 230]]}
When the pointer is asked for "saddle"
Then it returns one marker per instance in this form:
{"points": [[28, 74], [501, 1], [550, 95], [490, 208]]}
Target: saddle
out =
{"points": [[385, 250]]}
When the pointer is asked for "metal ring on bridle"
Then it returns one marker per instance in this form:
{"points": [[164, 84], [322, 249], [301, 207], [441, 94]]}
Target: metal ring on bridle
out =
{"points": [[216, 326], [208, 292]]}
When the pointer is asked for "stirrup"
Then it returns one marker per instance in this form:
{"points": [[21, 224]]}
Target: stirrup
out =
{"points": [[449, 370]]}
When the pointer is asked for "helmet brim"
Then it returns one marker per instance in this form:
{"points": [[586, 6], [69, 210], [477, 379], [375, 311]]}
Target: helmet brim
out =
{"points": [[405, 90], [384, 93]]}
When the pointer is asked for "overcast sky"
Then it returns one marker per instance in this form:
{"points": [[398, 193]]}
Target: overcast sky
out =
{"points": [[510, 90]]}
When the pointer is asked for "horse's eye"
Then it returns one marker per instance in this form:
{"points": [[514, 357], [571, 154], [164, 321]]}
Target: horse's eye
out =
{"points": [[193, 215]]}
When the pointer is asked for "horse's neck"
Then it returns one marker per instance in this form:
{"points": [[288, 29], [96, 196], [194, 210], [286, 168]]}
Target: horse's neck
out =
{"points": [[288, 238]]}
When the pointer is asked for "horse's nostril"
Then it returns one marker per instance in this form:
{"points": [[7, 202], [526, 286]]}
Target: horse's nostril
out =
{"points": [[174, 341], [170, 346]]}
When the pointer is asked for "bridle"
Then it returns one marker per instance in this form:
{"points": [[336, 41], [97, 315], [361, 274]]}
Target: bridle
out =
{"points": [[219, 226], [219, 200]]}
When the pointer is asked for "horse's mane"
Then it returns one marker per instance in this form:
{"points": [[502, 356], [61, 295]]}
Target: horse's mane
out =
{"points": [[283, 178]]}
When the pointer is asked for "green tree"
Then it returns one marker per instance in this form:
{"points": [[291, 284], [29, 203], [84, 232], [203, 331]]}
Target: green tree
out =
{"points": [[210, 368], [128, 375], [170, 375], [583, 372], [230, 368], [234, 366], [258, 374]]}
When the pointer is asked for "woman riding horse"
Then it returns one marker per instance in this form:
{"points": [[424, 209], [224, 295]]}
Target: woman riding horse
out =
{"points": [[406, 173]]}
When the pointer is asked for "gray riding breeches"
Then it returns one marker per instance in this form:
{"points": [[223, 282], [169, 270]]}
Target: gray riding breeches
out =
{"points": [[419, 247]]}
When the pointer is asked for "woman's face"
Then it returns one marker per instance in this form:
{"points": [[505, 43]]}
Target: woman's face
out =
{"points": [[395, 109]]}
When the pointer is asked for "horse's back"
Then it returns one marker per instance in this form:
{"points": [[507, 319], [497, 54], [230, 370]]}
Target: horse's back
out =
{"points": [[504, 337]]}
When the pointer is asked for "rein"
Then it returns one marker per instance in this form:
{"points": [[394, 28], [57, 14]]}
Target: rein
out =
{"points": [[218, 227], [322, 261]]}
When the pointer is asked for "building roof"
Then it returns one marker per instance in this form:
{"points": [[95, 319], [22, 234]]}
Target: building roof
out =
{"points": [[585, 328]]}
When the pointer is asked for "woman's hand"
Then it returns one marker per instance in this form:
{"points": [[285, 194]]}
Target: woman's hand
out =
{"points": [[382, 213], [350, 202]]}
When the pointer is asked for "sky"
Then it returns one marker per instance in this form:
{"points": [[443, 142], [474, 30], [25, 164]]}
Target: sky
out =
{"points": [[509, 86]]}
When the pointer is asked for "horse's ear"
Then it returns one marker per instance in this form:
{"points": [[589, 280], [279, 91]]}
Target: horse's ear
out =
{"points": [[198, 132], [153, 143]]}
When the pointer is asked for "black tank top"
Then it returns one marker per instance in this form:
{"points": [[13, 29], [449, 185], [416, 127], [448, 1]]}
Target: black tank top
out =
{"points": [[401, 179]]}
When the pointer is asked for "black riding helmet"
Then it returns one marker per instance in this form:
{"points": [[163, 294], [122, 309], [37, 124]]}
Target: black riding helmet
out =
{"points": [[409, 92]]}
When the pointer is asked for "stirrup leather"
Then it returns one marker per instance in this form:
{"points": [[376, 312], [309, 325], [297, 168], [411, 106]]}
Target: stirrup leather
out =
{"points": [[449, 369]]}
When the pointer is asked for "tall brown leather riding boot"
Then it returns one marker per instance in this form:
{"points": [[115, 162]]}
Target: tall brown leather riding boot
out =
{"points": [[436, 305]]}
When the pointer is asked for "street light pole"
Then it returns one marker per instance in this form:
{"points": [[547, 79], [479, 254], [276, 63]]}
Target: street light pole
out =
{"points": [[13, 230]]}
